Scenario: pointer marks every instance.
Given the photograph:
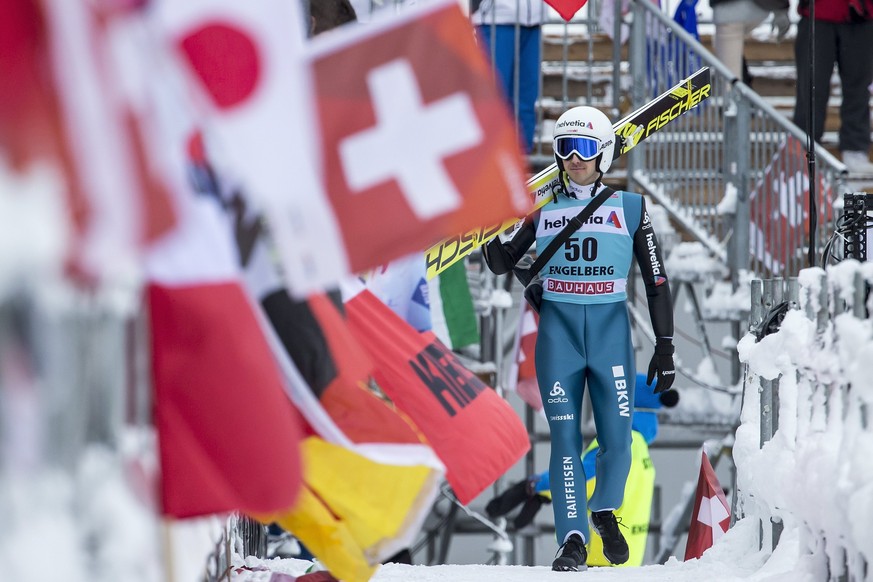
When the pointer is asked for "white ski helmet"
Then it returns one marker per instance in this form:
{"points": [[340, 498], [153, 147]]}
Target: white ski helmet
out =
{"points": [[595, 129]]}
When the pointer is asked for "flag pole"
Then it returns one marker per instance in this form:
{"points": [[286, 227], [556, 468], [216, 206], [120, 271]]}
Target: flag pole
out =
{"points": [[810, 141], [169, 567]]}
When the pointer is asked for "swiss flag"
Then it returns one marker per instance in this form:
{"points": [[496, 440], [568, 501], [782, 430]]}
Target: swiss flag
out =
{"points": [[566, 8], [711, 516], [417, 143]]}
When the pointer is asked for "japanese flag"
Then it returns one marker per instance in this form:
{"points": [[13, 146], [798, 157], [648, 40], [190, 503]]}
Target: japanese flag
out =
{"points": [[246, 71], [711, 516]]}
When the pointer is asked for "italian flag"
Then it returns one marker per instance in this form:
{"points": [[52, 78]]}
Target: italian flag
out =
{"points": [[451, 305]]}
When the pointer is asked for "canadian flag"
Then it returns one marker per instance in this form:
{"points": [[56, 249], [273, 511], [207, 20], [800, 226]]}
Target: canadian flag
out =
{"points": [[67, 100], [567, 8], [711, 516], [362, 147]]}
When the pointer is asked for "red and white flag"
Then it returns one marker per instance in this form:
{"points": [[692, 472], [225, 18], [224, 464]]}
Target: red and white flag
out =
{"points": [[363, 146], [229, 438], [711, 517], [66, 100], [526, 385], [779, 206], [246, 69], [87, 98], [228, 435]]}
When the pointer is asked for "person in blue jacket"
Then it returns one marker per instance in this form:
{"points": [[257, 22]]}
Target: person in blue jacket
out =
{"points": [[584, 336], [509, 33]]}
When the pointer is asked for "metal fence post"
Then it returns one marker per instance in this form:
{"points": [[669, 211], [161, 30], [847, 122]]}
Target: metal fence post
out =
{"points": [[765, 392], [773, 293], [637, 65], [736, 173], [756, 317]]}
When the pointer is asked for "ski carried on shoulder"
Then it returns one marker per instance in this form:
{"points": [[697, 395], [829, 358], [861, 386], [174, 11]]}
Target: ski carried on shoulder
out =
{"points": [[632, 129]]}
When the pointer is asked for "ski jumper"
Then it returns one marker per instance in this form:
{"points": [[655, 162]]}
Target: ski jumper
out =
{"points": [[584, 338]]}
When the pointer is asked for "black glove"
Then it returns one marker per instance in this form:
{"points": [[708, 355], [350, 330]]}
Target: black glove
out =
{"points": [[533, 283], [662, 365], [533, 293], [509, 499], [529, 510]]}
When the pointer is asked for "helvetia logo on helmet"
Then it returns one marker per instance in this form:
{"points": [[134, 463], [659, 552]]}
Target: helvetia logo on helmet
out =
{"points": [[557, 394], [575, 123]]}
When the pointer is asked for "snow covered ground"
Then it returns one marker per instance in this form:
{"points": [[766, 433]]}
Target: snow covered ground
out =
{"points": [[736, 558]]}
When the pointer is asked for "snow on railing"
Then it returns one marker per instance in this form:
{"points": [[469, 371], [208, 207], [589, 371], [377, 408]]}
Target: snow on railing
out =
{"points": [[803, 450]]}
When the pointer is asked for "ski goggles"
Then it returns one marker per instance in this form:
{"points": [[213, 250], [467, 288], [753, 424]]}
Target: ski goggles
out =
{"points": [[586, 148]]}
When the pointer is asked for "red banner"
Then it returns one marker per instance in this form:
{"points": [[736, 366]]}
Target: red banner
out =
{"points": [[779, 207], [212, 369], [476, 434]]}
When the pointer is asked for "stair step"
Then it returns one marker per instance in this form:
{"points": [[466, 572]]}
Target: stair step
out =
{"points": [[588, 72], [600, 46]]}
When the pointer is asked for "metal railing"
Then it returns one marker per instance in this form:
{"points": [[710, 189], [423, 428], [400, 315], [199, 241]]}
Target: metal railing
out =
{"points": [[810, 405], [732, 172]]}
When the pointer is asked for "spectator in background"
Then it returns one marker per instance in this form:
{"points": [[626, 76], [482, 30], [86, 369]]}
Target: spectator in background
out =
{"points": [[736, 19], [843, 36], [495, 22]]}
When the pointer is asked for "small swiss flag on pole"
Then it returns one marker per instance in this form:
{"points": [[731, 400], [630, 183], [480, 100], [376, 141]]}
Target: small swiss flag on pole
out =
{"points": [[711, 516]]}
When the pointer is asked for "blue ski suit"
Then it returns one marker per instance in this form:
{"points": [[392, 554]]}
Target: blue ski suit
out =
{"points": [[584, 337]]}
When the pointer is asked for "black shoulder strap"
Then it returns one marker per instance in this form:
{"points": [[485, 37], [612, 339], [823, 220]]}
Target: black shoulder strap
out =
{"points": [[575, 223]]}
